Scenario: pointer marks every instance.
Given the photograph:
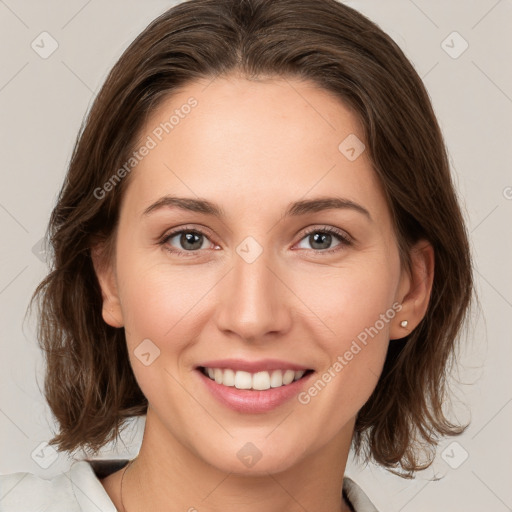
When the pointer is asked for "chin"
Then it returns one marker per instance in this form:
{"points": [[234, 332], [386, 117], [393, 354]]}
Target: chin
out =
{"points": [[253, 455]]}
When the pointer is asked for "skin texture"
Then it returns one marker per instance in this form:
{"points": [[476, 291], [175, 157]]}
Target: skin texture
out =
{"points": [[253, 147]]}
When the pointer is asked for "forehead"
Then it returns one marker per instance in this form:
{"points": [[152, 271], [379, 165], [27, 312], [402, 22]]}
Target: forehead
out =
{"points": [[241, 141]]}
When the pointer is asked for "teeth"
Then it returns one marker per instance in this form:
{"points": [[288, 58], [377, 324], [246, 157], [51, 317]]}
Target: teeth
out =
{"points": [[288, 377], [276, 380], [257, 381], [261, 380], [243, 380]]}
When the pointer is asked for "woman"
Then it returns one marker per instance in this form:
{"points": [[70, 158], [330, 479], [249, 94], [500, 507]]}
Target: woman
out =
{"points": [[258, 246]]}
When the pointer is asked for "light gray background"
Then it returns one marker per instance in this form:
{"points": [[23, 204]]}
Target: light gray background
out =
{"points": [[42, 103]]}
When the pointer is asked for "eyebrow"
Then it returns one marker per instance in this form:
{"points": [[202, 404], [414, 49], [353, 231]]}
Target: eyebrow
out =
{"points": [[294, 209]]}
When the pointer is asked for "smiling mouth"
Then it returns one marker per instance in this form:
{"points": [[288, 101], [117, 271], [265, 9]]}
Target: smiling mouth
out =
{"points": [[258, 381]]}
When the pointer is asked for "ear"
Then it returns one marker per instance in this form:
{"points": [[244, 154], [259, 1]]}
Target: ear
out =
{"points": [[414, 289], [105, 272]]}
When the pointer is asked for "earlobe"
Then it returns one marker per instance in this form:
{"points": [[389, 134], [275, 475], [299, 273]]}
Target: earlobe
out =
{"points": [[111, 307], [414, 290]]}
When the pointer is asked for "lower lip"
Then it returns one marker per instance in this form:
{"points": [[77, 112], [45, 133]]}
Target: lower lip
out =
{"points": [[252, 401]]}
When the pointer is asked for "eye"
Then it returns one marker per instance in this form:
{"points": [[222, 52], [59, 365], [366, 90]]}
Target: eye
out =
{"points": [[186, 240], [321, 238]]}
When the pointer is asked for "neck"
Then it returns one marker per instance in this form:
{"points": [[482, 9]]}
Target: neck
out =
{"points": [[166, 471]]}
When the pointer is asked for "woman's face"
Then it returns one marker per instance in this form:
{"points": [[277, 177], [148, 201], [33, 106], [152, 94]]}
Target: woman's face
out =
{"points": [[253, 283]]}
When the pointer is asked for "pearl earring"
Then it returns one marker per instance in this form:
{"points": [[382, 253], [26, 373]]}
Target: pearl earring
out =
{"points": [[403, 323]]}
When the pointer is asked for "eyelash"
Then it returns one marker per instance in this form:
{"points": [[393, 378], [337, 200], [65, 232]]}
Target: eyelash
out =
{"points": [[345, 240]]}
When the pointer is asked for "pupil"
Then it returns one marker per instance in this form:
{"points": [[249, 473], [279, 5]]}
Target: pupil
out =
{"points": [[323, 238], [188, 238]]}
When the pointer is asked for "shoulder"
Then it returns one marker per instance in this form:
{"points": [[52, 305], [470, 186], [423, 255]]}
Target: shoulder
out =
{"points": [[356, 496], [76, 490], [26, 491]]}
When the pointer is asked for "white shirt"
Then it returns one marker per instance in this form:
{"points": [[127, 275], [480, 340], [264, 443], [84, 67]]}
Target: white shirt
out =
{"points": [[79, 490]]}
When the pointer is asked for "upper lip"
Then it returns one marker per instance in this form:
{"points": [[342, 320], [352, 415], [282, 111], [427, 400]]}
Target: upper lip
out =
{"points": [[253, 366]]}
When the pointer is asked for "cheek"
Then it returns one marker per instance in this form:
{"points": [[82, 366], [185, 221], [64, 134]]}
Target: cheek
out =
{"points": [[347, 300], [162, 302], [355, 309], [154, 292]]}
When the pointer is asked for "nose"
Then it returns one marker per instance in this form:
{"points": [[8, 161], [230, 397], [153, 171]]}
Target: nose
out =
{"points": [[254, 301]]}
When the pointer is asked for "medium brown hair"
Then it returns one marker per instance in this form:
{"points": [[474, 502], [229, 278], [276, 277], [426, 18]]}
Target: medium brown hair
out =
{"points": [[89, 383]]}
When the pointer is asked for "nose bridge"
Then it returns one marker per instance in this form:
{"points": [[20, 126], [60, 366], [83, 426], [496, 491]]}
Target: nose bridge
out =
{"points": [[253, 301]]}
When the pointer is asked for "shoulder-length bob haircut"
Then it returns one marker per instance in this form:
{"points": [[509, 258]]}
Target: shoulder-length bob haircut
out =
{"points": [[89, 384]]}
